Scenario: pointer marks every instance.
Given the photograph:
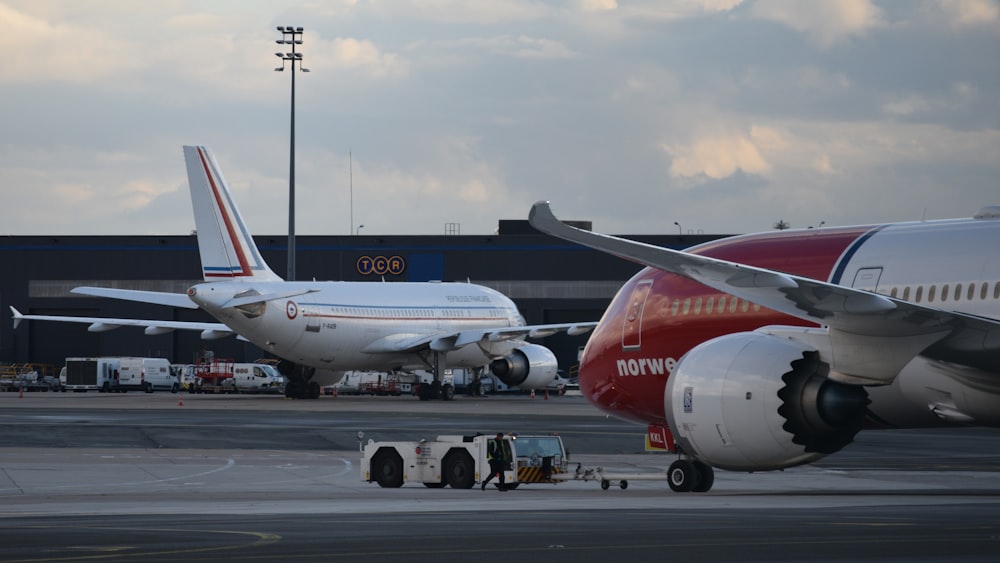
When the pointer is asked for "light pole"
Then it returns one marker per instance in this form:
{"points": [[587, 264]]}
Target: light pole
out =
{"points": [[679, 231], [291, 36], [358, 232]]}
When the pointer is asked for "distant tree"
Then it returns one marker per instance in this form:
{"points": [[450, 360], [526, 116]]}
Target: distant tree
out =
{"points": [[781, 225]]}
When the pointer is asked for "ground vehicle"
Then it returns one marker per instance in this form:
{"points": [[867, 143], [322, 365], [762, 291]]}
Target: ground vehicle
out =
{"points": [[227, 376], [84, 374], [460, 461], [147, 374], [28, 377]]}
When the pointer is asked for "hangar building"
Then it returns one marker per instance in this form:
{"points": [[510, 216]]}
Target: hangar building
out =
{"points": [[549, 279]]}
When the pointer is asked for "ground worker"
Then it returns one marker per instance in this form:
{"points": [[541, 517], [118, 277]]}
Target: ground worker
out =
{"points": [[499, 456]]}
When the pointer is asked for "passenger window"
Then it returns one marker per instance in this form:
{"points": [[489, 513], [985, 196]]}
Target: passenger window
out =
{"points": [[687, 306], [930, 293], [996, 291], [674, 307], [722, 305], [745, 306], [972, 291], [709, 305], [756, 307], [697, 306], [958, 292], [906, 293], [982, 292], [920, 293], [944, 292], [892, 293], [733, 303]]}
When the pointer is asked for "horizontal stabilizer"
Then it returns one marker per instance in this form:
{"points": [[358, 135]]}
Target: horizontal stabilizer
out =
{"points": [[179, 300]]}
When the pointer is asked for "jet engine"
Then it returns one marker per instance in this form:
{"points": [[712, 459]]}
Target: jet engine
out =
{"points": [[529, 366], [753, 401]]}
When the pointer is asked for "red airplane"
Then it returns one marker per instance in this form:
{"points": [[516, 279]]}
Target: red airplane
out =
{"points": [[771, 350]]}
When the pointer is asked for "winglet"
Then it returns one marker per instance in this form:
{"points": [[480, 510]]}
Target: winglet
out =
{"points": [[18, 317]]}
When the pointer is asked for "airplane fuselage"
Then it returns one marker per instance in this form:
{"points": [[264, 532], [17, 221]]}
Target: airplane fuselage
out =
{"points": [[341, 326], [658, 317]]}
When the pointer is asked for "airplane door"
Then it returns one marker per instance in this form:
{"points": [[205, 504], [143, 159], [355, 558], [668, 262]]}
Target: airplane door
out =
{"points": [[632, 324], [867, 279]]}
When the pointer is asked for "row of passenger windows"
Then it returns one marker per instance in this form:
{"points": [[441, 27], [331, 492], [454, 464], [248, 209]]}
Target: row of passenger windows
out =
{"points": [[710, 305], [947, 292], [416, 313]]}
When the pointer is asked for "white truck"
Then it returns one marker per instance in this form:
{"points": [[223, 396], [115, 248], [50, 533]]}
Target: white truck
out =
{"points": [[460, 461], [85, 374], [147, 374]]}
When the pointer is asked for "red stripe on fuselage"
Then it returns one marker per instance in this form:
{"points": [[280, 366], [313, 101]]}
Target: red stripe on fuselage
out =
{"points": [[230, 229], [629, 382]]}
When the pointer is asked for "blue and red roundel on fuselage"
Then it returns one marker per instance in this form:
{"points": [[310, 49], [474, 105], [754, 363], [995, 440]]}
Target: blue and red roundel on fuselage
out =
{"points": [[657, 316]]}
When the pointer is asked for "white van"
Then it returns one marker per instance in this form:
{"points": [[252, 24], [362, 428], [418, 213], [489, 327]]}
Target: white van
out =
{"points": [[258, 378], [147, 374]]}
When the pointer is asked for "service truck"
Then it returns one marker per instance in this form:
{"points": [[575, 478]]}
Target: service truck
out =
{"points": [[147, 374], [85, 374], [460, 461]]}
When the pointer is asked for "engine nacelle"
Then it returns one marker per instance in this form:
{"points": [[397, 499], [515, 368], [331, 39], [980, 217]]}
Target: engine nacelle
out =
{"points": [[753, 402], [528, 366]]}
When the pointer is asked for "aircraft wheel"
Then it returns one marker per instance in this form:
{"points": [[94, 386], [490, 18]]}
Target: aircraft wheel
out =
{"points": [[388, 469], [706, 477], [605, 484], [314, 390], [682, 476], [459, 471], [623, 485], [447, 392]]}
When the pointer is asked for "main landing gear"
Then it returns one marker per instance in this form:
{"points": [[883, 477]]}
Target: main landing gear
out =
{"points": [[300, 384], [436, 389], [690, 475]]}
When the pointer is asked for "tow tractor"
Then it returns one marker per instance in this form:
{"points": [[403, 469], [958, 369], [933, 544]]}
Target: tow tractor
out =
{"points": [[460, 461]]}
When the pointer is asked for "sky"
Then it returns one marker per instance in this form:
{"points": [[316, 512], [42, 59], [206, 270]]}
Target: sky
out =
{"points": [[644, 117]]}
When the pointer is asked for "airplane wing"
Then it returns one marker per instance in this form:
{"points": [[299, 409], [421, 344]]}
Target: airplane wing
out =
{"points": [[209, 331], [872, 335], [449, 341]]}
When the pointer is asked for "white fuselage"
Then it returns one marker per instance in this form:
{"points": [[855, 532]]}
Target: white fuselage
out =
{"points": [[344, 326]]}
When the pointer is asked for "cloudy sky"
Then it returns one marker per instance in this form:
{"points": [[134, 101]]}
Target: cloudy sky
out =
{"points": [[724, 116]]}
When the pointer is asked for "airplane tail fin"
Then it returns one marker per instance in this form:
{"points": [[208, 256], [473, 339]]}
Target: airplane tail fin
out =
{"points": [[227, 249]]}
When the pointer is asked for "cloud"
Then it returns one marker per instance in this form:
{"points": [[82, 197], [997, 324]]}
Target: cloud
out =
{"points": [[39, 50], [520, 46], [719, 156], [827, 23], [969, 12], [356, 54]]}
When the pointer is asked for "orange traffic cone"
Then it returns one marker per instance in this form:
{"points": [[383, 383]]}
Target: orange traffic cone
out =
{"points": [[546, 394], [532, 393], [334, 392], [180, 400], [21, 396]]}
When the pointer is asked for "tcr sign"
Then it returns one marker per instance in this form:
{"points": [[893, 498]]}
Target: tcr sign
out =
{"points": [[381, 265]]}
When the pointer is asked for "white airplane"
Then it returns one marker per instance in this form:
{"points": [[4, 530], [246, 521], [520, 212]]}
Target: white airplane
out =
{"points": [[322, 329], [771, 350]]}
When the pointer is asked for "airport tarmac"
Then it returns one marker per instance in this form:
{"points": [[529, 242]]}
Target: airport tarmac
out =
{"points": [[139, 477]]}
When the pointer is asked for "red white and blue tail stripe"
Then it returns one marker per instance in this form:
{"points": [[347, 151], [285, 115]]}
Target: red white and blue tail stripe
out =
{"points": [[227, 249]]}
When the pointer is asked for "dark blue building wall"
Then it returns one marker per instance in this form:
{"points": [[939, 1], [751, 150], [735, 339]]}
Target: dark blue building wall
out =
{"points": [[35, 262]]}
